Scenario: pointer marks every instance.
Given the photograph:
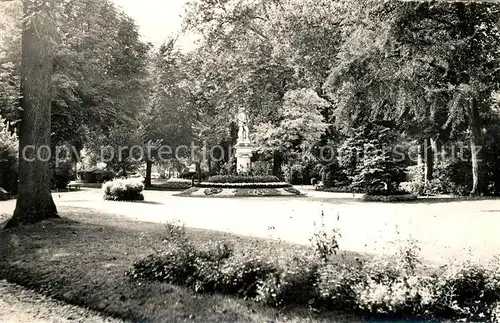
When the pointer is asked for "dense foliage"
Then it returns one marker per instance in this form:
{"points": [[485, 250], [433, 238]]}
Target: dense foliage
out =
{"points": [[317, 78], [381, 287], [123, 190], [9, 146]]}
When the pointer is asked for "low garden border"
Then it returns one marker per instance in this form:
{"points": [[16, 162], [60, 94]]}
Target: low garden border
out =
{"points": [[390, 198], [243, 185]]}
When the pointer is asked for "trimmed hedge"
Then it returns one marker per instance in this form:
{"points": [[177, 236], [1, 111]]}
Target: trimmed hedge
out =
{"points": [[123, 190], [242, 179], [244, 185], [175, 184], [390, 198]]}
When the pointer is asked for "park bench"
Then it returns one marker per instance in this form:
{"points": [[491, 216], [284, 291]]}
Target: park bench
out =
{"points": [[73, 185], [4, 195]]}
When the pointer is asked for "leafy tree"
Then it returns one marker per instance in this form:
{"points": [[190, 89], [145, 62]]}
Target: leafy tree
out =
{"points": [[100, 70], [121, 148], [395, 66], [379, 162], [300, 128], [255, 52], [168, 117], [10, 51]]}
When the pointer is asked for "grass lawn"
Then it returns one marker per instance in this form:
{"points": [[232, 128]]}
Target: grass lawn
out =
{"points": [[83, 259]]}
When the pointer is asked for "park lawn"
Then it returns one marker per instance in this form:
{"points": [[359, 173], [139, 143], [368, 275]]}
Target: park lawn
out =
{"points": [[83, 259]]}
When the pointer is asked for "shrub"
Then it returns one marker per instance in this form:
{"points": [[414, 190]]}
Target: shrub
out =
{"points": [[407, 298], [260, 168], [241, 275], [293, 173], [290, 286], [191, 175], [389, 197], [123, 190], [9, 146], [212, 268], [173, 266], [378, 168], [325, 244], [337, 286], [176, 184], [385, 287], [95, 175], [242, 179], [184, 264], [62, 175], [467, 290], [449, 177]]}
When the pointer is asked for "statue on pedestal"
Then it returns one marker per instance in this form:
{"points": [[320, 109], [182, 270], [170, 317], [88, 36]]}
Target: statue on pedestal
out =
{"points": [[243, 132], [244, 148]]}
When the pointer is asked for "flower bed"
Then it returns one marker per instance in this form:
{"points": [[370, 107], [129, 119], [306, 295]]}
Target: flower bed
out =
{"points": [[240, 191], [382, 289]]}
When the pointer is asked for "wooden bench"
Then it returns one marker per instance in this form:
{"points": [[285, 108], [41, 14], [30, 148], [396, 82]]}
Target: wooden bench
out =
{"points": [[75, 186], [4, 195]]}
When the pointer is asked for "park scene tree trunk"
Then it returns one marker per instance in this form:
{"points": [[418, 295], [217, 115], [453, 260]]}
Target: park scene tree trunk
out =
{"points": [[34, 202]]}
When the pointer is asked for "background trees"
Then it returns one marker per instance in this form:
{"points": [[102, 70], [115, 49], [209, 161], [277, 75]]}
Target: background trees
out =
{"points": [[429, 68], [310, 73]]}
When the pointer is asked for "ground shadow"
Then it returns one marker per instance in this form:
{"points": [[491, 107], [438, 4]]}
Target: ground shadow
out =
{"points": [[86, 263], [438, 200]]}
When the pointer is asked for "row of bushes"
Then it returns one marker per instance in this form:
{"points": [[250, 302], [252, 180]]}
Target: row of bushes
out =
{"points": [[393, 197], [242, 179], [123, 190], [175, 184], [244, 185], [381, 287]]}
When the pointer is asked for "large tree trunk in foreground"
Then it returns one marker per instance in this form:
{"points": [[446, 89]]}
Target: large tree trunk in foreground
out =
{"points": [[149, 169], [475, 146], [34, 201]]}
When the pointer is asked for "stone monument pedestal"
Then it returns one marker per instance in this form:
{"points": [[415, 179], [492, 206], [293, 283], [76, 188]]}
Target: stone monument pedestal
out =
{"points": [[244, 151]]}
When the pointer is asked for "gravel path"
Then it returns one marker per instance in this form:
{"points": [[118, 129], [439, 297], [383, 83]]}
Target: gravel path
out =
{"points": [[25, 306]]}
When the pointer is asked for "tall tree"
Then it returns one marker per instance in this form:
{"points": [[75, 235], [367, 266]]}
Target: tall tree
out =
{"points": [[34, 202], [168, 116], [430, 66]]}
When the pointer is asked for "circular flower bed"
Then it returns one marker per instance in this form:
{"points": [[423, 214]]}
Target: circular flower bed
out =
{"points": [[212, 191], [240, 191], [240, 186]]}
